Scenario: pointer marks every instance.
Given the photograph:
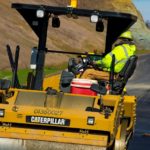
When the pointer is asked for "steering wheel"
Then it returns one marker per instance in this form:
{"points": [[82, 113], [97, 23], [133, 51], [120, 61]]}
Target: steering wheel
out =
{"points": [[85, 63], [88, 63]]}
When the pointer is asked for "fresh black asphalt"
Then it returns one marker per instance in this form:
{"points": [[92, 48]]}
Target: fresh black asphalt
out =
{"points": [[139, 85]]}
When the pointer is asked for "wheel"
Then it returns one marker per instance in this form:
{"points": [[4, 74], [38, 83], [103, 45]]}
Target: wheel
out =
{"points": [[121, 143]]}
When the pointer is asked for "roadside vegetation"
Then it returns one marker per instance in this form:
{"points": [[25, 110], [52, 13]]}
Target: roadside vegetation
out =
{"points": [[22, 73]]}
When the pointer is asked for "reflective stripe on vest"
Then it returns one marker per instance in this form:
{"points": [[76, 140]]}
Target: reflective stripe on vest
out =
{"points": [[111, 54], [125, 52]]}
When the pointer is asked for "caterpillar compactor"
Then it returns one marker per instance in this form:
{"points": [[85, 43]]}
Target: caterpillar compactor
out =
{"points": [[51, 113]]}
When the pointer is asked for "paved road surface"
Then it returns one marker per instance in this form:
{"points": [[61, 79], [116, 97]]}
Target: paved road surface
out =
{"points": [[140, 86]]}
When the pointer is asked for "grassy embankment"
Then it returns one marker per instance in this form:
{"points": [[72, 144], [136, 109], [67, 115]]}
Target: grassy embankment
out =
{"points": [[22, 73]]}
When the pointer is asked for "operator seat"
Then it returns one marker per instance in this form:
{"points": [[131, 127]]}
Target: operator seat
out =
{"points": [[124, 75], [117, 85]]}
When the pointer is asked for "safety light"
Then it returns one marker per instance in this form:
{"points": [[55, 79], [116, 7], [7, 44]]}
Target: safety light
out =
{"points": [[94, 18], [2, 112], [40, 13], [74, 3], [90, 120]]}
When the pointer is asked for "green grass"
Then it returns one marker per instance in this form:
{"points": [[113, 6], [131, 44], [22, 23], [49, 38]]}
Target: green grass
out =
{"points": [[5, 74], [22, 73]]}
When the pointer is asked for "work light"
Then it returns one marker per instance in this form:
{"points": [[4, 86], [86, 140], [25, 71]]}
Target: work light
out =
{"points": [[40, 13], [94, 18], [2, 112], [90, 120]]}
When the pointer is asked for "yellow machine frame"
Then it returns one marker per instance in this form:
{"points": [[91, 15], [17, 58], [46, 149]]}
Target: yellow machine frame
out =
{"points": [[34, 114]]}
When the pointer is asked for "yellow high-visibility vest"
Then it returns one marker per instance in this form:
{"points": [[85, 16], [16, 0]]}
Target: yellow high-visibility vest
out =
{"points": [[122, 53]]}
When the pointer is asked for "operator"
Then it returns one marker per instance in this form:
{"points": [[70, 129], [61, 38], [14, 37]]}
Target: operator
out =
{"points": [[122, 51]]}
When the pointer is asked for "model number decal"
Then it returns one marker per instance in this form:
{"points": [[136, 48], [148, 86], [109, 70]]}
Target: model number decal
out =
{"points": [[48, 112]]}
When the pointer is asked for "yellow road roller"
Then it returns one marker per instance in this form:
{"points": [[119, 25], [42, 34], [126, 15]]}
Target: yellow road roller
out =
{"points": [[63, 111]]}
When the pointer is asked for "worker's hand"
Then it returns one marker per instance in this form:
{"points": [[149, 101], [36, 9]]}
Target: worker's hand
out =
{"points": [[94, 63], [96, 66]]}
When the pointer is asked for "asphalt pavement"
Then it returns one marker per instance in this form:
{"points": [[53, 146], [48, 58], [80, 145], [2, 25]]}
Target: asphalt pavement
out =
{"points": [[139, 85]]}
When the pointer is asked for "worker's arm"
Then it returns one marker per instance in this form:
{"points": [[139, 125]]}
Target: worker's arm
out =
{"points": [[104, 62]]}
